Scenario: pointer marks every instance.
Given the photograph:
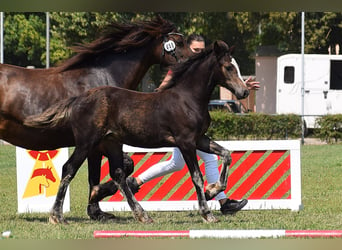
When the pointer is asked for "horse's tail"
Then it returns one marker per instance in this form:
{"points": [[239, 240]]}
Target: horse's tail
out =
{"points": [[54, 117]]}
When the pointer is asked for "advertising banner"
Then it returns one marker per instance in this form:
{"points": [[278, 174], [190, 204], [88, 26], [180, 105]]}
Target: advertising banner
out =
{"points": [[38, 178]]}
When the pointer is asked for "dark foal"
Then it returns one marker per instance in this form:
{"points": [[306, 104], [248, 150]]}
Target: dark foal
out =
{"points": [[109, 117]]}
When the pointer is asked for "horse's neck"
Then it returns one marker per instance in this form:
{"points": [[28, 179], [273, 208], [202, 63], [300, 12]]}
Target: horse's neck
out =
{"points": [[199, 83], [130, 70]]}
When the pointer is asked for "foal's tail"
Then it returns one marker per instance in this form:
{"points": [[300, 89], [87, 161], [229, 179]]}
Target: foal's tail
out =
{"points": [[54, 117]]}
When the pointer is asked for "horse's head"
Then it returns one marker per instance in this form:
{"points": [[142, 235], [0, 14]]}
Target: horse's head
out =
{"points": [[228, 76], [174, 49], [171, 47], [158, 39]]}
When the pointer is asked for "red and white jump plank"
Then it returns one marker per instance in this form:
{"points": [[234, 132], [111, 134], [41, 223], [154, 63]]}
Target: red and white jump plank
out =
{"points": [[227, 234]]}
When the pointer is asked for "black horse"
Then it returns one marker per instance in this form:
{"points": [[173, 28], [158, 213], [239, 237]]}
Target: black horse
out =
{"points": [[120, 57], [108, 117]]}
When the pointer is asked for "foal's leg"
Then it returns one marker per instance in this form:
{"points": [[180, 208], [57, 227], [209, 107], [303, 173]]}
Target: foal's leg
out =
{"points": [[98, 192], [207, 145], [189, 155], [94, 170], [117, 173], [70, 168]]}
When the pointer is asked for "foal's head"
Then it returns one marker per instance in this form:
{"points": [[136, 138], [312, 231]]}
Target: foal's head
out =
{"points": [[227, 75]]}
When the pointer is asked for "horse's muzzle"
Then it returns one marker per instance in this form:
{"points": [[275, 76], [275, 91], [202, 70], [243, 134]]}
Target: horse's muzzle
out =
{"points": [[245, 93], [242, 95]]}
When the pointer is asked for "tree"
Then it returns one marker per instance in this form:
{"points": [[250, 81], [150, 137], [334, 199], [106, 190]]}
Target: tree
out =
{"points": [[25, 32], [322, 30], [24, 39]]}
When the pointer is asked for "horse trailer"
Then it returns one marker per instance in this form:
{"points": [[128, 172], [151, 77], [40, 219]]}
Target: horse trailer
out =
{"points": [[322, 86]]}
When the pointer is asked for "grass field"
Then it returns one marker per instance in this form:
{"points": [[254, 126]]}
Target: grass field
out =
{"points": [[321, 197]]}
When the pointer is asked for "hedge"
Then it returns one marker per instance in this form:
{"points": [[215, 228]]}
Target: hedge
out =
{"points": [[330, 128], [230, 126]]}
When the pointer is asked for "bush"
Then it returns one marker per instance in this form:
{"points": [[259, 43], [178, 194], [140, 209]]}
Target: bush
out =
{"points": [[228, 126], [330, 128]]}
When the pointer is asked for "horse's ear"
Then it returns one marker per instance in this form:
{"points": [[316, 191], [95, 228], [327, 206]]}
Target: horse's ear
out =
{"points": [[218, 48], [160, 19], [232, 50]]}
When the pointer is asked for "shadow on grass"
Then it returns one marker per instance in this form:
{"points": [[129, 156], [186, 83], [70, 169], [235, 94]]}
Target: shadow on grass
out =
{"points": [[75, 219]]}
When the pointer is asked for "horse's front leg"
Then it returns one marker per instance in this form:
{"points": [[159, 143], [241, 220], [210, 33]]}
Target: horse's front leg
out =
{"points": [[189, 155], [69, 171], [209, 146], [118, 175]]}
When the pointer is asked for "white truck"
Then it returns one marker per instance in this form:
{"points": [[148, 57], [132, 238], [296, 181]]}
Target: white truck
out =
{"points": [[322, 85]]}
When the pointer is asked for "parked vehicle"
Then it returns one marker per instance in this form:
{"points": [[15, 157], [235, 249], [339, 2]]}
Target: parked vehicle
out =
{"points": [[229, 105], [322, 85]]}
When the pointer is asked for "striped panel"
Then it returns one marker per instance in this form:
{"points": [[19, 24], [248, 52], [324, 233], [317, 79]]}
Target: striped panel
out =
{"points": [[254, 174]]}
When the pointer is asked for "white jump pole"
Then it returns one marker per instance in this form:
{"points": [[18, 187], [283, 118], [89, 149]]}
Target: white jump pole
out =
{"points": [[222, 234]]}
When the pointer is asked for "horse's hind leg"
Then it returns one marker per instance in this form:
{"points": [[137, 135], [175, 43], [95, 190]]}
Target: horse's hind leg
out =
{"points": [[69, 171], [207, 145], [98, 192], [94, 170], [117, 173]]}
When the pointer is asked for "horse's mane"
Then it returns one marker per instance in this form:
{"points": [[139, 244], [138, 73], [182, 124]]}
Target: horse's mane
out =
{"points": [[179, 69], [117, 38]]}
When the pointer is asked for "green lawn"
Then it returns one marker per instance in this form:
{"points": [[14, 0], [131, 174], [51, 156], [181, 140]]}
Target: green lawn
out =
{"points": [[321, 197]]}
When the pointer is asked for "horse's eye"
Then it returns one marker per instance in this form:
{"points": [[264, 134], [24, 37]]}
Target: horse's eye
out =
{"points": [[229, 67], [179, 43]]}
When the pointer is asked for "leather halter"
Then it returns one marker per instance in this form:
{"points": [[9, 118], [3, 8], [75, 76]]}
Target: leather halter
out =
{"points": [[169, 46]]}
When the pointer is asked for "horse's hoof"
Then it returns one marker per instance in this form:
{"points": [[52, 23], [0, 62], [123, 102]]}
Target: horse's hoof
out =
{"points": [[95, 213], [53, 219], [102, 217], [210, 218], [212, 190], [146, 219]]}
